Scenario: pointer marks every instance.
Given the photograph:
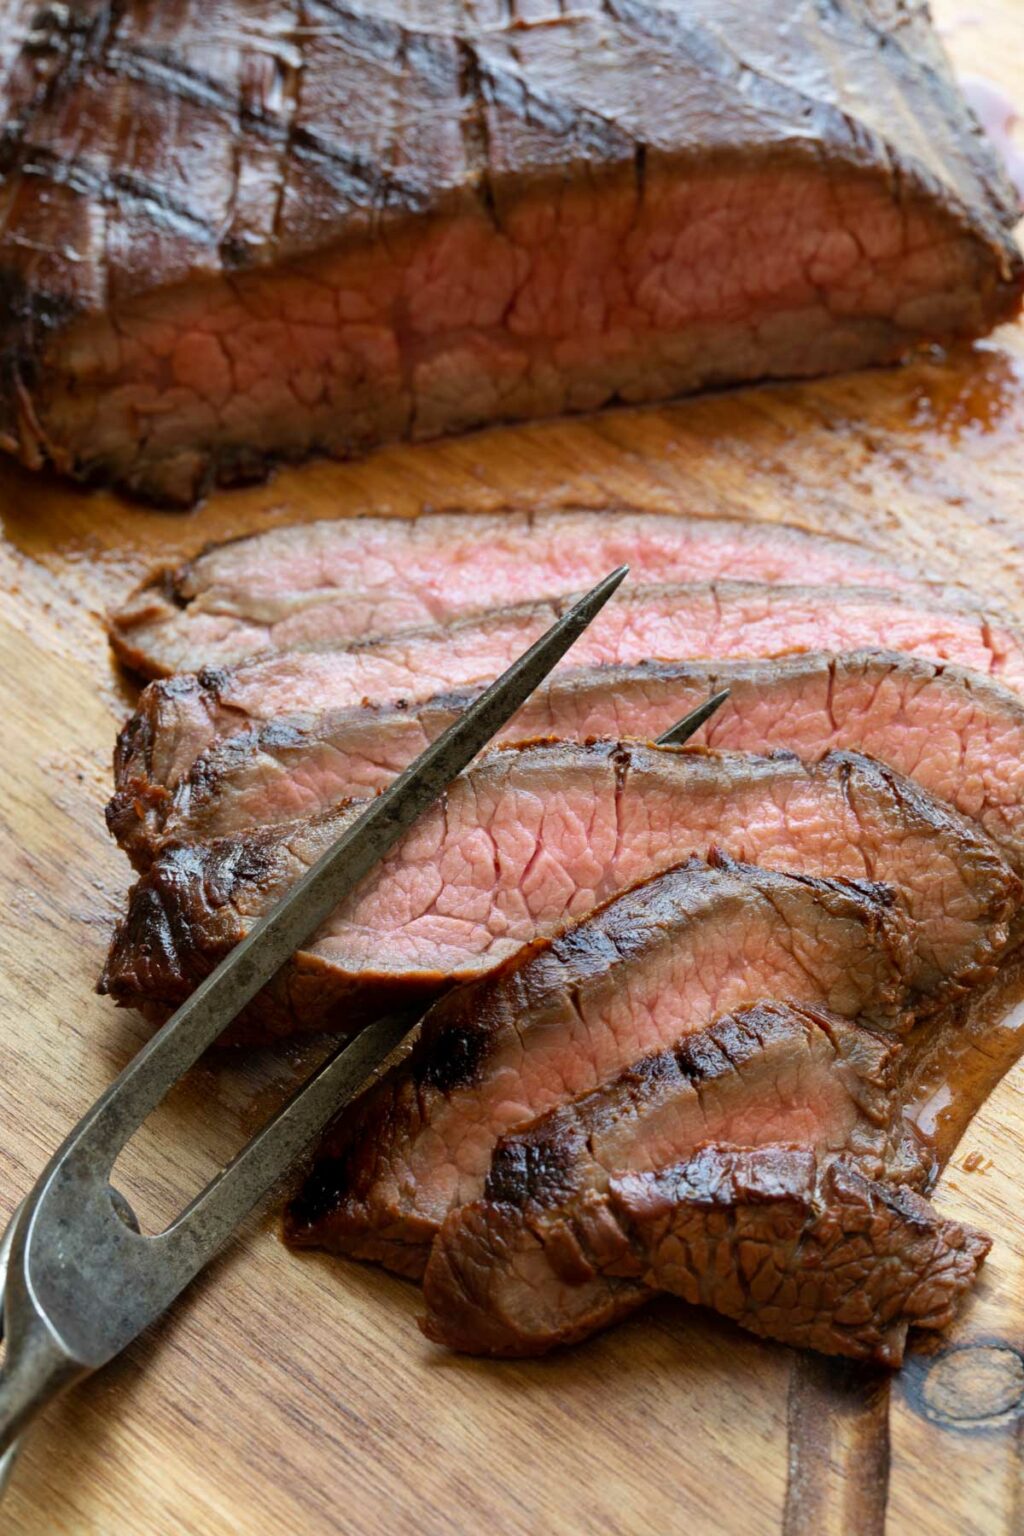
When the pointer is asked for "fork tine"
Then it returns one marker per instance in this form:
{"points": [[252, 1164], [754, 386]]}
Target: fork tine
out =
{"points": [[83, 1282], [267, 1157], [691, 723], [272, 940]]}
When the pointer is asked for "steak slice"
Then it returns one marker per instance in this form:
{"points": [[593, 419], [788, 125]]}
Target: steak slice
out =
{"points": [[533, 837], [957, 734], [271, 239], [654, 965], [317, 585], [179, 717], [793, 1245], [528, 1266]]}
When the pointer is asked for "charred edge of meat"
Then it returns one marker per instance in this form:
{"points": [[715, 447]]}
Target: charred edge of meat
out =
{"points": [[157, 938], [171, 939], [791, 1244], [28, 318], [534, 1167], [139, 805], [537, 1166], [469, 1008]]}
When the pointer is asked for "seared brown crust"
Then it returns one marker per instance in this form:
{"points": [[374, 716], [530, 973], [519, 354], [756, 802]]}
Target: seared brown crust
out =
{"points": [[527, 1267], [428, 1115], [849, 816], [180, 718], [272, 165], [732, 1067], [958, 734], [792, 1246]]}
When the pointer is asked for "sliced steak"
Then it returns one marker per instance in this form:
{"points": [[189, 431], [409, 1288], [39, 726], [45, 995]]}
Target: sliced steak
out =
{"points": [[533, 837], [954, 732], [791, 1244], [537, 1262], [559, 1020], [317, 585], [278, 239], [179, 717], [510, 1273]]}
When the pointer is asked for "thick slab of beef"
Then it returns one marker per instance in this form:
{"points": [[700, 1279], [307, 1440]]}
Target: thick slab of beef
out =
{"points": [[562, 1018], [317, 585], [534, 837], [956, 733], [791, 1244], [545, 1257], [179, 717], [229, 238]]}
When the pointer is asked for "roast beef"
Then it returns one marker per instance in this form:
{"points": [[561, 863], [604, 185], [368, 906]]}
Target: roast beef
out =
{"points": [[656, 963], [544, 1259], [235, 235], [794, 1245], [179, 717], [533, 837], [956, 733], [322, 584]]}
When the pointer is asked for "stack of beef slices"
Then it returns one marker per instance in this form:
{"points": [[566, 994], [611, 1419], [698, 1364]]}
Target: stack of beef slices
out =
{"points": [[672, 997]]}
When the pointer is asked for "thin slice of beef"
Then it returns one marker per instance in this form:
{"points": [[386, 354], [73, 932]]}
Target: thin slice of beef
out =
{"points": [[957, 734], [658, 963], [179, 717], [228, 238], [316, 585], [791, 1244], [519, 1271], [533, 837]]}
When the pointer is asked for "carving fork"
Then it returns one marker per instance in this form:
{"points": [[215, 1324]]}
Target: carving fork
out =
{"points": [[79, 1280]]}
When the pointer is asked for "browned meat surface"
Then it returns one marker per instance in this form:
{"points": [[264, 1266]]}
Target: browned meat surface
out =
{"points": [[318, 585], [180, 717], [521, 1270], [791, 1244], [957, 734], [657, 963], [235, 233], [533, 837]]}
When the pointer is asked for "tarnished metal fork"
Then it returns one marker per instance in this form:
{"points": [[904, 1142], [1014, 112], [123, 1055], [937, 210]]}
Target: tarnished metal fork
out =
{"points": [[79, 1279]]}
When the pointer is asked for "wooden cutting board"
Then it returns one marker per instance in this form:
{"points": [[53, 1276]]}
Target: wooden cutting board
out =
{"points": [[292, 1394]]}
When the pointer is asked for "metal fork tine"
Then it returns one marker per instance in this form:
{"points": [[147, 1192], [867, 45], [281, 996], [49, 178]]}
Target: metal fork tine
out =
{"points": [[691, 723], [231, 1195], [272, 940], [82, 1281]]}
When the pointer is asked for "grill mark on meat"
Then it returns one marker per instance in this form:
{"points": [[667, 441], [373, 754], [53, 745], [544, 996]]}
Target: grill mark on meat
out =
{"points": [[473, 122], [896, 224], [429, 916], [542, 1258], [411, 1151], [165, 75], [171, 215], [766, 1039]]}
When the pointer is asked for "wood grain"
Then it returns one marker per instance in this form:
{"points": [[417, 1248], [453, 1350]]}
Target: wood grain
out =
{"points": [[289, 1394]]}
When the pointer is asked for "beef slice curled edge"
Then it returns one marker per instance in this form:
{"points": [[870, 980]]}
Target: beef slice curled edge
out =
{"points": [[535, 836], [957, 734]]}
